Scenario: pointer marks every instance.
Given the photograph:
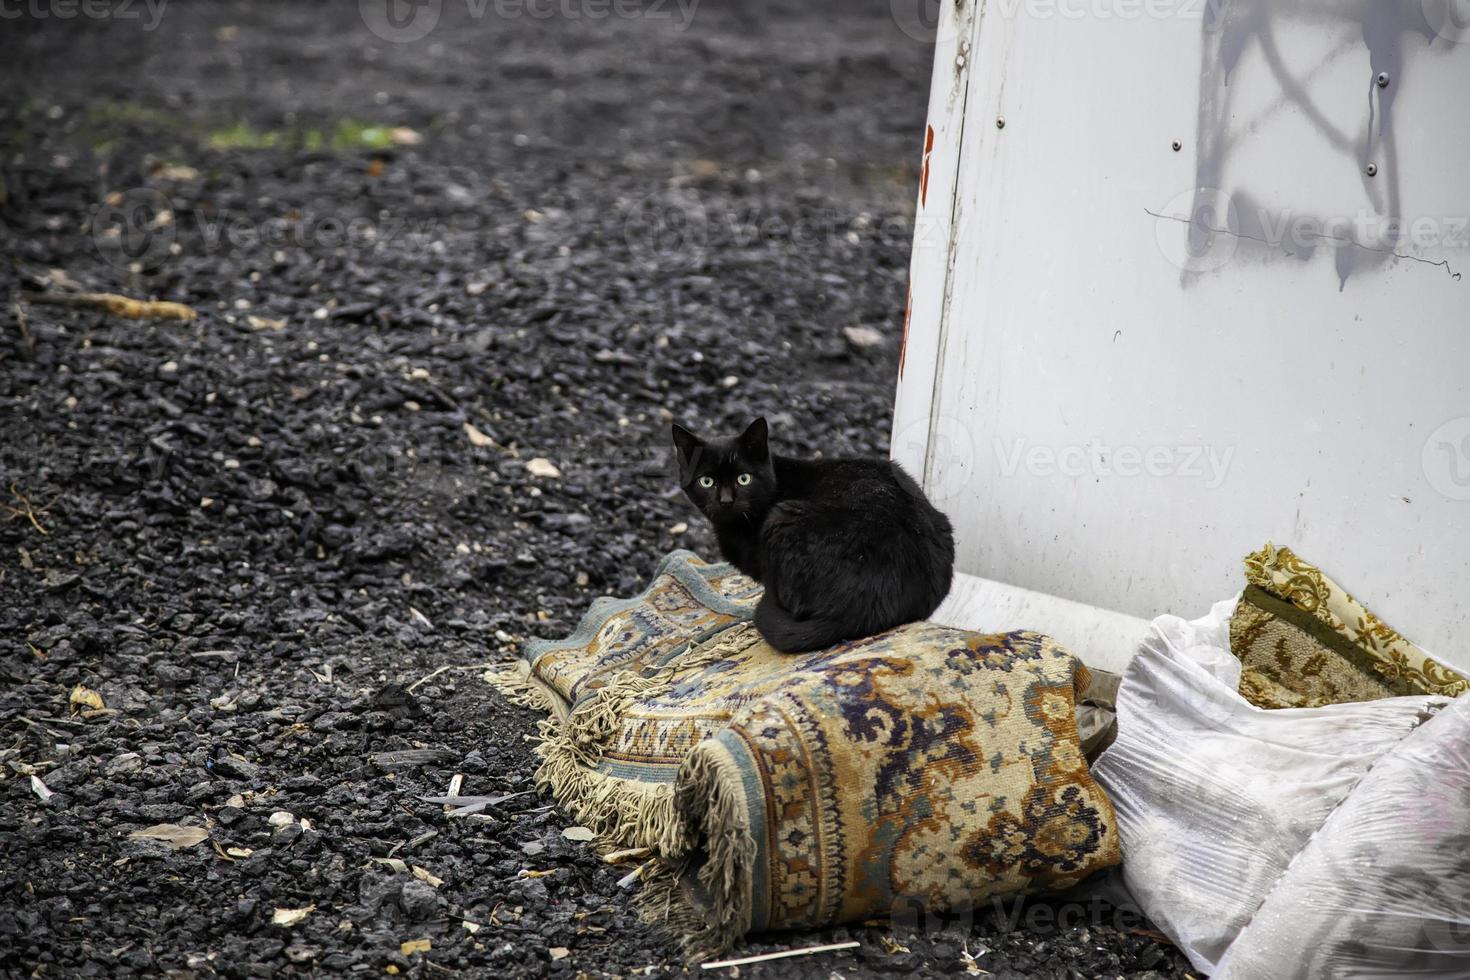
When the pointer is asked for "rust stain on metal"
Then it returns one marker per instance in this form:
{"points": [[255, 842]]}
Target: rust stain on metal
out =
{"points": [[924, 178], [908, 312]]}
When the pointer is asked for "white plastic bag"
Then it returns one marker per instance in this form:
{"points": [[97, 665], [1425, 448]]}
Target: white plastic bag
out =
{"points": [[1383, 888], [1216, 798]]}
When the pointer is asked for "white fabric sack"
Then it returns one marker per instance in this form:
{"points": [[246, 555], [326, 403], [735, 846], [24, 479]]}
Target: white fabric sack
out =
{"points": [[1216, 798]]}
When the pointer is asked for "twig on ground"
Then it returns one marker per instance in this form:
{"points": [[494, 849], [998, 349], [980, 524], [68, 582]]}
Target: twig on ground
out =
{"points": [[428, 677], [36, 724], [781, 955], [435, 673], [26, 509], [123, 306], [23, 324], [630, 854]]}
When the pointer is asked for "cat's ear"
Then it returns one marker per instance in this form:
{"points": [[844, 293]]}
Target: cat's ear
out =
{"points": [[753, 444], [686, 446]]}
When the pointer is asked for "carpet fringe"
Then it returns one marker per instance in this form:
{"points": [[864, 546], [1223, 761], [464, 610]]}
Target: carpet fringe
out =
{"points": [[623, 813], [702, 892], [514, 682]]}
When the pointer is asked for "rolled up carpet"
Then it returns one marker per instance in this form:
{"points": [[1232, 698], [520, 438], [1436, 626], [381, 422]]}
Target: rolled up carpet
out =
{"points": [[1304, 642], [921, 769]]}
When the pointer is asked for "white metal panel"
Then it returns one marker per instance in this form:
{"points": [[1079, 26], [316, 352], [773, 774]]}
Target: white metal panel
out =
{"points": [[934, 217], [1151, 361]]}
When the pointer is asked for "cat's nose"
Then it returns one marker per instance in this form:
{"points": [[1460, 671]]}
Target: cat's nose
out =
{"points": [[727, 496]]}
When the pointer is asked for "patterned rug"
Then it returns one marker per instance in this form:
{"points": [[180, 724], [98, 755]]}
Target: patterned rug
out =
{"points": [[1304, 642], [922, 769]]}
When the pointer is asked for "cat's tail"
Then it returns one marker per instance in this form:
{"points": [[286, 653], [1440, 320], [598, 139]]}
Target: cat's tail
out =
{"points": [[791, 635]]}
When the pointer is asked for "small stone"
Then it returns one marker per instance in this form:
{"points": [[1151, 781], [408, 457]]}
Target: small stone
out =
{"points": [[419, 900], [543, 468], [862, 337]]}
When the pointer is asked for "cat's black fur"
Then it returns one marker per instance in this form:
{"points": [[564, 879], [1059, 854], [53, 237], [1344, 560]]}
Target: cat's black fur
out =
{"points": [[845, 548]]}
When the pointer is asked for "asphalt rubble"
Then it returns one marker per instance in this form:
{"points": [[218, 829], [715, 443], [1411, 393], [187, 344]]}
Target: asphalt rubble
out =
{"points": [[253, 566]]}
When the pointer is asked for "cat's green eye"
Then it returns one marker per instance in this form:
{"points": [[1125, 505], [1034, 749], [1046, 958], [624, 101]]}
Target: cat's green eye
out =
{"points": [[743, 479], [706, 481]]}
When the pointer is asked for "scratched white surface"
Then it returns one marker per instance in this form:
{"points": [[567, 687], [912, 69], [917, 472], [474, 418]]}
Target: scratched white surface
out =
{"points": [[1116, 417]]}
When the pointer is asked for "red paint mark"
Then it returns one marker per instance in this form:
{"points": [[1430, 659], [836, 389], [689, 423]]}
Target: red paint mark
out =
{"points": [[924, 180], [903, 347]]}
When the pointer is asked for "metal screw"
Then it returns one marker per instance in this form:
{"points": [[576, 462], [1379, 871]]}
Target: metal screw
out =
{"points": [[1178, 146], [1372, 170], [1383, 79], [1000, 122]]}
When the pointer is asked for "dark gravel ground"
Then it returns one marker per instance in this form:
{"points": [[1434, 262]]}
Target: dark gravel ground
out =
{"points": [[252, 534]]}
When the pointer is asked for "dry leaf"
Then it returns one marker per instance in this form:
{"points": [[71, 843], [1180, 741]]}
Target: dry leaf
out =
{"points": [[395, 863], [427, 876], [415, 946], [579, 834], [290, 917], [172, 834], [265, 323], [543, 467], [87, 698], [477, 438], [559, 952], [470, 927], [239, 852]]}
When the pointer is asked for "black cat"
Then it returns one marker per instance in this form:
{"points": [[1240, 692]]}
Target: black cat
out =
{"points": [[845, 547]]}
